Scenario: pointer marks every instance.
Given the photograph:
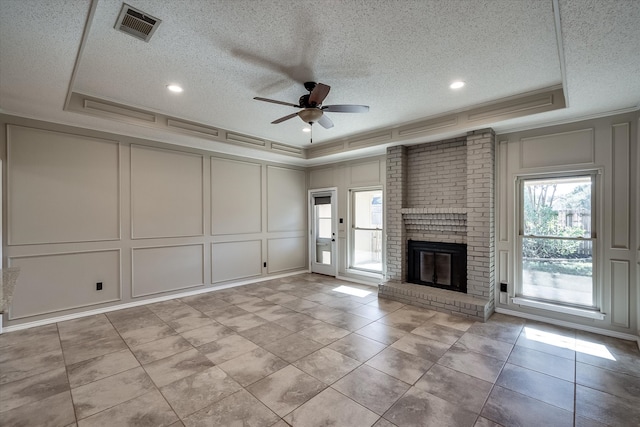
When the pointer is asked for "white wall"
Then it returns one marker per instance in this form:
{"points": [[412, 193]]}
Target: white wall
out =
{"points": [[146, 219], [364, 173], [610, 145]]}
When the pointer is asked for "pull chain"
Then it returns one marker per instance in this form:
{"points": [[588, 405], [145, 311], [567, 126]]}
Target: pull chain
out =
{"points": [[310, 132]]}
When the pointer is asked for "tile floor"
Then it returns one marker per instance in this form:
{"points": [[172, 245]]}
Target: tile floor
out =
{"points": [[295, 351]]}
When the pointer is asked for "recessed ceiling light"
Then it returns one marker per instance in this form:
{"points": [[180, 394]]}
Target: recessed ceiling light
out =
{"points": [[174, 88], [457, 85], [306, 130]]}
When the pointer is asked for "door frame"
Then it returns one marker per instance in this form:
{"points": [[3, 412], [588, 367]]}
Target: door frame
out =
{"points": [[333, 192]]}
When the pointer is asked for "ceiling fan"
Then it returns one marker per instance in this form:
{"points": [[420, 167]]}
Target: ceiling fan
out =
{"points": [[311, 108]]}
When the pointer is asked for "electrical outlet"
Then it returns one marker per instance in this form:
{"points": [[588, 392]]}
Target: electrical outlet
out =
{"points": [[264, 264], [98, 286], [503, 287]]}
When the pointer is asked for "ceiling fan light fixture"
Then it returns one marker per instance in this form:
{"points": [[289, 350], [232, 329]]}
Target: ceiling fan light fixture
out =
{"points": [[310, 115], [457, 84]]}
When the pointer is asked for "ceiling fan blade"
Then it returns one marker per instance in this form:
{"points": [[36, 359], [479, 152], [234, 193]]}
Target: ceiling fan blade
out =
{"points": [[346, 108], [319, 93], [325, 122], [282, 119], [273, 101]]}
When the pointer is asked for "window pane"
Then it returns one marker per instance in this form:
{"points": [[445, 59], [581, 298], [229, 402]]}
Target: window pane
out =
{"points": [[367, 250], [558, 270], [559, 207], [324, 228], [368, 209]]}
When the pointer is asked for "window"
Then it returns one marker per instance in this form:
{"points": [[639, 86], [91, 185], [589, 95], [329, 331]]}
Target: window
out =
{"points": [[556, 241], [366, 230]]}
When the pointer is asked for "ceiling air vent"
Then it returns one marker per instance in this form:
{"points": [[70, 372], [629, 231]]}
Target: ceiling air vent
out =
{"points": [[136, 23]]}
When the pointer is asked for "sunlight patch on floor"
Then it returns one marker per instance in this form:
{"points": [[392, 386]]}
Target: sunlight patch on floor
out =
{"points": [[352, 291], [586, 347]]}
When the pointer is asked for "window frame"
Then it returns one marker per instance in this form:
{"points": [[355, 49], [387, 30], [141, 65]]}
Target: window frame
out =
{"points": [[596, 283], [353, 228]]}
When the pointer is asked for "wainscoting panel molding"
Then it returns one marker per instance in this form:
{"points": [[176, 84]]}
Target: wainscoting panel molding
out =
{"points": [[559, 149], [236, 197], [50, 283], [166, 193], [620, 295], [288, 253], [159, 269], [236, 260], [621, 157], [74, 180]]}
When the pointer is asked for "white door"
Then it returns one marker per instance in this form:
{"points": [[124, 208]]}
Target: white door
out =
{"points": [[322, 219]]}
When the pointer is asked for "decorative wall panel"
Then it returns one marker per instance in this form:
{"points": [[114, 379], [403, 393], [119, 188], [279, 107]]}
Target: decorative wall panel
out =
{"points": [[54, 282], [61, 187], [621, 158], [236, 197], [286, 199], [166, 268], [235, 260], [286, 254], [568, 148], [166, 193]]}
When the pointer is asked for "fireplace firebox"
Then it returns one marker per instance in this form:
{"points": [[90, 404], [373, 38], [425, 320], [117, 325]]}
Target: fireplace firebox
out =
{"points": [[441, 265]]}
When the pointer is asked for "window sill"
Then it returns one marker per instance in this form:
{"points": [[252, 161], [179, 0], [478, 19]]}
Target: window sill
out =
{"points": [[581, 312]]}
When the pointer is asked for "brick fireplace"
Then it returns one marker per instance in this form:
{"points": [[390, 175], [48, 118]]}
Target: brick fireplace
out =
{"points": [[443, 192]]}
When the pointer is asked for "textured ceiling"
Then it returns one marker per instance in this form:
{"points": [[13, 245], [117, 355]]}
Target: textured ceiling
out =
{"points": [[398, 57]]}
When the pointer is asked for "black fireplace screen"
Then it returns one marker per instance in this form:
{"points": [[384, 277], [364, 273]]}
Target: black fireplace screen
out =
{"points": [[442, 265]]}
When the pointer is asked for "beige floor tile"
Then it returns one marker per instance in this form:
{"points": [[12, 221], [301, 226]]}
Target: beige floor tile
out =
{"points": [[177, 366], [455, 387], [192, 393], [159, 349], [331, 408], [285, 390], [100, 367], [551, 390], [206, 334], [297, 322], [135, 337], [108, 392], [149, 409], [327, 365], [323, 333], [403, 366], [252, 366], [19, 361], [483, 345], [471, 363], [53, 411], [293, 347], [266, 333], [33, 389], [434, 331], [381, 332], [616, 383], [381, 390], [357, 347], [417, 408], [508, 408], [239, 409], [227, 348], [545, 363], [422, 347]]}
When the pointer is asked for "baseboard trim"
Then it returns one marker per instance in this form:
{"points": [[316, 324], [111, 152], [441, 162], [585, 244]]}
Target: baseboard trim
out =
{"points": [[131, 304], [586, 328]]}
